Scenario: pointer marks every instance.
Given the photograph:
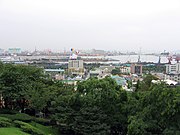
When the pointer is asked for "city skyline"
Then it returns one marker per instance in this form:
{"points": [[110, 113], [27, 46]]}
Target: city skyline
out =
{"points": [[106, 25]]}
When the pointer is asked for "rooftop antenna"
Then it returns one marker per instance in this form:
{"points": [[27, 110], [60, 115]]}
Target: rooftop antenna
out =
{"points": [[64, 51], [159, 61], [169, 59], [49, 54]]}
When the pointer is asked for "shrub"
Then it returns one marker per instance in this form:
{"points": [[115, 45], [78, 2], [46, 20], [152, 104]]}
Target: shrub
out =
{"points": [[42, 121], [23, 117], [19, 116], [28, 128], [5, 122], [5, 119], [7, 111], [19, 123]]}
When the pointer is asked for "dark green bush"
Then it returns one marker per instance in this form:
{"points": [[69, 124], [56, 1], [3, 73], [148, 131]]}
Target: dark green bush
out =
{"points": [[5, 119], [5, 122], [19, 116], [19, 123], [7, 111], [28, 128], [23, 117], [42, 121]]}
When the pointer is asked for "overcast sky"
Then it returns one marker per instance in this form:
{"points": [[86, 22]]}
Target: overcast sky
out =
{"points": [[152, 25]]}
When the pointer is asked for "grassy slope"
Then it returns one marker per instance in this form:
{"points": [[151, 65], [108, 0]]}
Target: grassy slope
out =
{"points": [[11, 131], [48, 130]]}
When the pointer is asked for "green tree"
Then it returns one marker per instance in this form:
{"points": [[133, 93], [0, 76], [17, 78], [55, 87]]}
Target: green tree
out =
{"points": [[146, 84], [16, 81], [157, 113], [102, 100], [115, 71]]}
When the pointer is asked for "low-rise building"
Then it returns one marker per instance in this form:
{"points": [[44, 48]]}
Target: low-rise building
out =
{"points": [[95, 73], [173, 68], [174, 77], [173, 72], [57, 74], [107, 69], [120, 81], [125, 69]]}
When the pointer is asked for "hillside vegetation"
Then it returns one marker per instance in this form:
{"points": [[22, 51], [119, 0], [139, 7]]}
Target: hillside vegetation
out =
{"points": [[98, 107]]}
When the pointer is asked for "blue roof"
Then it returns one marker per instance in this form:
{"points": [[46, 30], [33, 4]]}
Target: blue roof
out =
{"points": [[128, 65], [119, 80]]}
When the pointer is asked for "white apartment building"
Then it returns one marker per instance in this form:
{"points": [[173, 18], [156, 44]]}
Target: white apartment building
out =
{"points": [[173, 68], [124, 69], [173, 72], [174, 77], [107, 69]]}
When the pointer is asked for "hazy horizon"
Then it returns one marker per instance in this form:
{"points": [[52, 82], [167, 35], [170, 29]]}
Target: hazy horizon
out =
{"points": [[101, 24]]}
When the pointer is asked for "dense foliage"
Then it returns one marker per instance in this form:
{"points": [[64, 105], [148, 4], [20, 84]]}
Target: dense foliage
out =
{"points": [[155, 112], [154, 68], [91, 107], [28, 128], [5, 122], [97, 106]]}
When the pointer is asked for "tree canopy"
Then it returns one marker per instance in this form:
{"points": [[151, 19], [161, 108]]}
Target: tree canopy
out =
{"points": [[94, 106]]}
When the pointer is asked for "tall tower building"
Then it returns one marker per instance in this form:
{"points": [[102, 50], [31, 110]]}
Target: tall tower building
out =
{"points": [[75, 66]]}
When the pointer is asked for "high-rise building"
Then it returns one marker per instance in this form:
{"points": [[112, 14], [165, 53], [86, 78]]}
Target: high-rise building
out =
{"points": [[136, 69], [76, 67]]}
